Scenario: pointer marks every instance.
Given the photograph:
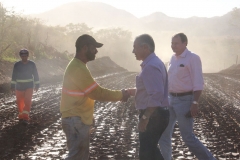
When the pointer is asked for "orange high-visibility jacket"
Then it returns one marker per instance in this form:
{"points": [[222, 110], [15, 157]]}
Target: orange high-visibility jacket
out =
{"points": [[80, 90]]}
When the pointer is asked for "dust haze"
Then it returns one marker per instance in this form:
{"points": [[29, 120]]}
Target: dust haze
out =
{"points": [[215, 40]]}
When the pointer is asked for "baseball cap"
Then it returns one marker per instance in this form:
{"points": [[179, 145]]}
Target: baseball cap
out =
{"points": [[86, 39], [23, 52]]}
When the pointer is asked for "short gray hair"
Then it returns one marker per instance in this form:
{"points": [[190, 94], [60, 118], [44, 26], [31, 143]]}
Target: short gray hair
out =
{"points": [[146, 39]]}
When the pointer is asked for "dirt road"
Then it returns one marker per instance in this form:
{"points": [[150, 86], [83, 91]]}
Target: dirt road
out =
{"points": [[115, 135]]}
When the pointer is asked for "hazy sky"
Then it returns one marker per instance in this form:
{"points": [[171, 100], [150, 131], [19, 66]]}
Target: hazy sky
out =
{"points": [[139, 8]]}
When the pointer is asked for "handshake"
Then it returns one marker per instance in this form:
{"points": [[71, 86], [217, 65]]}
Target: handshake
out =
{"points": [[126, 93]]}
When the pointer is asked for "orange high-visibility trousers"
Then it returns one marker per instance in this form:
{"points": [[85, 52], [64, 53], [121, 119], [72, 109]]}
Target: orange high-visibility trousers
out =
{"points": [[24, 102]]}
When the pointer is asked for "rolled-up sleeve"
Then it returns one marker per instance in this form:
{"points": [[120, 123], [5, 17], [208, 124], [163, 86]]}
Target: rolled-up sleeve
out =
{"points": [[153, 81], [196, 73]]}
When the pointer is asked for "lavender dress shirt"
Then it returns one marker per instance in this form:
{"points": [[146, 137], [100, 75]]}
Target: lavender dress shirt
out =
{"points": [[152, 84]]}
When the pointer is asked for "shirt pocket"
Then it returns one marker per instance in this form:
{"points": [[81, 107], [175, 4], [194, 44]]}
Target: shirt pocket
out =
{"points": [[182, 72]]}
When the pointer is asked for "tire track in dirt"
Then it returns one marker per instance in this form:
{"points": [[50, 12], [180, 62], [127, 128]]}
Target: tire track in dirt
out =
{"points": [[115, 134]]}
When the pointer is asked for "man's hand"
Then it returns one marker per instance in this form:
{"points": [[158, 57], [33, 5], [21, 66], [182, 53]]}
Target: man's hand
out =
{"points": [[36, 89], [194, 110], [125, 95], [194, 107], [131, 91], [142, 124]]}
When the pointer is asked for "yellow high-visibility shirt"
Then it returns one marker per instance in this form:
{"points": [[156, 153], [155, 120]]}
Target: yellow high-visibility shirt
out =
{"points": [[80, 90]]}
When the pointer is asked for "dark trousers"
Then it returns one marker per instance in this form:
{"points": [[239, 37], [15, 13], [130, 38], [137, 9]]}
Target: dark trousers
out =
{"points": [[149, 139]]}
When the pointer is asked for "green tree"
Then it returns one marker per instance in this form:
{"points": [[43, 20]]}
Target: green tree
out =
{"points": [[235, 17], [75, 30], [7, 23]]}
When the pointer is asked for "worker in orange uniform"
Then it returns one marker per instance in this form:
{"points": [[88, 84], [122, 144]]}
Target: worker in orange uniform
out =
{"points": [[24, 79]]}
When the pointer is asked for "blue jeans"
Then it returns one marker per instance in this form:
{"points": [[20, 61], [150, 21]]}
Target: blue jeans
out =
{"points": [[77, 134], [179, 106]]}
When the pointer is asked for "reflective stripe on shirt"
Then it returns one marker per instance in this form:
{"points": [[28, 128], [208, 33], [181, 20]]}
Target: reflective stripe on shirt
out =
{"points": [[72, 93], [37, 82], [24, 80], [25, 112], [13, 82], [91, 87], [80, 93]]}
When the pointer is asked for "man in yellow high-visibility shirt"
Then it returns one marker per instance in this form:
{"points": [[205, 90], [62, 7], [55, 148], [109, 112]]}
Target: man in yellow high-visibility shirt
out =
{"points": [[78, 94]]}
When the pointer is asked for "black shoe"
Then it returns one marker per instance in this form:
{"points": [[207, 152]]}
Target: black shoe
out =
{"points": [[25, 122], [20, 120]]}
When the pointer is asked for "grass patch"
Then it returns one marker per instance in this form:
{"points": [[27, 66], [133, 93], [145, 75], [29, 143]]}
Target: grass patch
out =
{"points": [[9, 59]]}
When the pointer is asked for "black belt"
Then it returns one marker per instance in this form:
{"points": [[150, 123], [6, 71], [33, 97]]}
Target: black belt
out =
{"points": [[160, 108], [163, 108], [181, 94]]}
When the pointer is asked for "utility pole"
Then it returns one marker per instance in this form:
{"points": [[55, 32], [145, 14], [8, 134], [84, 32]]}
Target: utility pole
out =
{"points": [[237, 60]]}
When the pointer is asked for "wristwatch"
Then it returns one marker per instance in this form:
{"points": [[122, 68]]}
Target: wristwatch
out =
{"points": [[195, 102], [144, 117]]}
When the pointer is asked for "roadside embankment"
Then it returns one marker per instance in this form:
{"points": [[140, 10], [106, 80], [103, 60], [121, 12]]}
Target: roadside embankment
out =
{"points": [[52, 70]]}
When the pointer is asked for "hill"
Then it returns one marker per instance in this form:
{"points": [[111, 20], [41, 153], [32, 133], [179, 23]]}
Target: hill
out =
{"points": [[52, 70], [101, 15], [94, 14], [233, 70], [210, 38], [198, 26]]}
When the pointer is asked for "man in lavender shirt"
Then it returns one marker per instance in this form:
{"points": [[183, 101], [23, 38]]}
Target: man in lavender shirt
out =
{"points": [[151, 98], [185, 87]]}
